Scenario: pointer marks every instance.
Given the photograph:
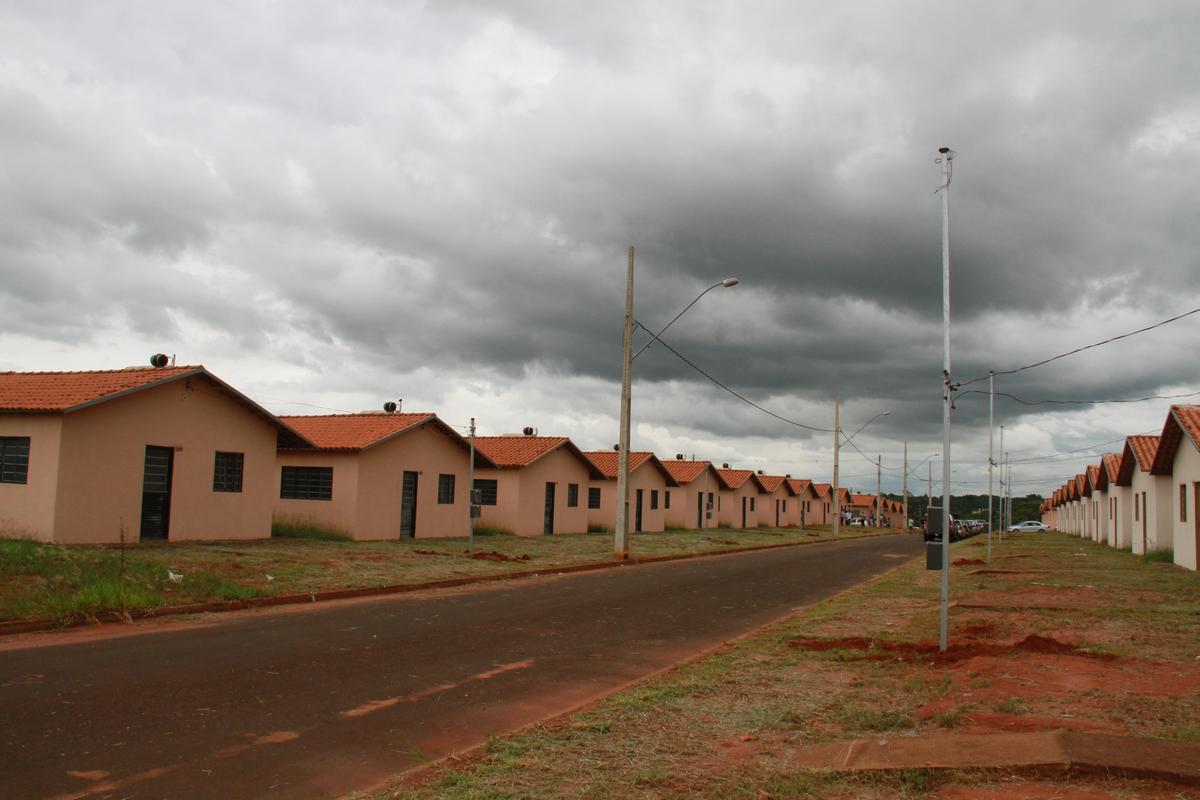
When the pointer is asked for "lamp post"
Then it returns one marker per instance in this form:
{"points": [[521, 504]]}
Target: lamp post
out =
{"points": [[621, 531]]}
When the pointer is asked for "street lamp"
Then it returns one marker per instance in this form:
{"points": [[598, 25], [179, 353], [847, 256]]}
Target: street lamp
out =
{"points": [[837, 444], [621, 532]]}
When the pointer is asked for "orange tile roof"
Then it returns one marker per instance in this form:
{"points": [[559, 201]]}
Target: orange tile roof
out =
{"points": [[70, 391], [800, 485], [822, 489], [515, 452], [370, 429], [684, 471], [1091, 478], [734, 478], [65, 392], [770, 482], [1182, 421], [1144, 448], [862, 500], [606, 462], [1112, 465]]}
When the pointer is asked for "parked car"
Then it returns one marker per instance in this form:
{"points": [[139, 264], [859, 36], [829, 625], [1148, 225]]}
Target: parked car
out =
{"points": [[1028, 525]]}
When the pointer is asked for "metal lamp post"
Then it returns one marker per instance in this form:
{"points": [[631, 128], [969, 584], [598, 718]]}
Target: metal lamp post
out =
{"points": [[837, 446], [621, 532]]}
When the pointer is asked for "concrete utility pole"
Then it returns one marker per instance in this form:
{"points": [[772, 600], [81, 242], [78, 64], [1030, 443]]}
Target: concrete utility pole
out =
{"points": [[947, 159], [837, 436], [991, 461], [879, 490], [621, 530], [905, 490], [929, 491], [471, 493]]}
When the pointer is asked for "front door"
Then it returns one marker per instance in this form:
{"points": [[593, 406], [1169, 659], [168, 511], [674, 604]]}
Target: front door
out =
{"points": [[777, 504], [743, 512], [638, 524], [1144, 526], [156, 491], [408, 506], [548, 511], [699, 510], [1196, 521]]}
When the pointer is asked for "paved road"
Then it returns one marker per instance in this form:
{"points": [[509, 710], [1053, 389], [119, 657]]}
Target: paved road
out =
{"points": [[339, 697]]}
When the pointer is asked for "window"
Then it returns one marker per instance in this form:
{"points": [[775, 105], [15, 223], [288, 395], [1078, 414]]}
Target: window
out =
{"points": [[785, 506], [653, 499], [227, 472], [751, 503], [306, 483], [14, 459], [594, 497], [1137, 509], [718, 502], [487, 491], [572, 495], [445, 490], [1183, 502], [667, 499]]}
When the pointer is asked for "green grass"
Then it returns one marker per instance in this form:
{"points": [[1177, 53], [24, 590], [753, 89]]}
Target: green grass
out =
{"points": [[1164, 556], [297, 529], [491, 530], [594, 527]]}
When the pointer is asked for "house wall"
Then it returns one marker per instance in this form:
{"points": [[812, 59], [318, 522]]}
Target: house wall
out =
{"points": [[647, 478], [428, 452], [506, 513], [731, 505], [1122, 522], [1154, 530], [682, 513], [103, 454], [560, 468], [339, 514], [1100, 513], [27, 509], [1186, 533]]}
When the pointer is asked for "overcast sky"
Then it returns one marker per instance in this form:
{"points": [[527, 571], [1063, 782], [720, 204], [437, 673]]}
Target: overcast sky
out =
{"points": [[340, 204]]}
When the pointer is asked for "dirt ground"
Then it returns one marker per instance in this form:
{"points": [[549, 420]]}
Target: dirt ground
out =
{"points": [[1055, 634]]}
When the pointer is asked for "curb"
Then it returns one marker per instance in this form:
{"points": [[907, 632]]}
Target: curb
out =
{"points": [[13, 627]]}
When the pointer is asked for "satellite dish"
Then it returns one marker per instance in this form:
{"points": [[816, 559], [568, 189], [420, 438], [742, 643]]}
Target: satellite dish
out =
{"points": [[725, 466], [679, 456], [389, 407], [527, 431], [159, 360]]}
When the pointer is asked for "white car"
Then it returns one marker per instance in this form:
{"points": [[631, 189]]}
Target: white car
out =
{"points": [[1028, 525]]}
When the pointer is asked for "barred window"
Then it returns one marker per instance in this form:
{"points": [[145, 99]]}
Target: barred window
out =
{"points": [[306, 483], [572, 495], [14, 459], [667, 499], [227, 472], [445, 489], [751, 503], [593, 497], [653, 499], [487, 491]]}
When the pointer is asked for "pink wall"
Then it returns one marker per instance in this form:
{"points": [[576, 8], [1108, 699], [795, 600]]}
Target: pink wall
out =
{"points": [[682, 513], [731, 505], [521, 495], [367, 486], [27, 509], [103, 452], [648, 479]]}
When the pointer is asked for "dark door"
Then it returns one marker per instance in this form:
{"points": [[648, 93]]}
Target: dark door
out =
{"points": [[777, 504], [1143, 522], [638, 526], [699, 509], [156, 491], [743, 512], [548, 514], [1196, 519], [408, 505]]}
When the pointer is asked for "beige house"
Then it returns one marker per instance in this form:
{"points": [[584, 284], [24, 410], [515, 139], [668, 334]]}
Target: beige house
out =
{"points": [[694, 504], [377, 476], [144, 453], [737, 503], [1118, 509], [649, 481], [541, 484], [777, 503], [806, 500], [1097, 505], [1150, 495], [1178, 457], [822, 506]]}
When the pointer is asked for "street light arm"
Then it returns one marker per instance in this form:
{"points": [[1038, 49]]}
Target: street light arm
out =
{"points": [[865, 424], [654, 338]]}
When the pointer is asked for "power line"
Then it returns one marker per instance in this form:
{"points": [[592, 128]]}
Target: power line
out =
{"points": [[1084, 402], [733, 392], [1080, 349], [1092, 446], [298, 403]]}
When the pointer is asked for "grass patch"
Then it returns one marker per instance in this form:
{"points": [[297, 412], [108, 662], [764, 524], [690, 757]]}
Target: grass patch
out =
{"points": [[1163, 556], [483, 529], [594, 527], [297, 529]]}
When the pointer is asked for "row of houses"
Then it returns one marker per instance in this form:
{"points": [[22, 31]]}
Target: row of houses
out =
{"points": [[176, 453], [1146, 498]]}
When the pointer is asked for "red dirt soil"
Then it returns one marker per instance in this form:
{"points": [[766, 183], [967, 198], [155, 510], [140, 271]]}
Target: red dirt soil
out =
{"points": [[1023, 790], [962, 562], [494, 556], [882, 650]]}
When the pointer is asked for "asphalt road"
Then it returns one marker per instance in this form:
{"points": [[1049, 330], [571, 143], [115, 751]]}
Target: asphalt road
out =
{"points": [[338, 697]]}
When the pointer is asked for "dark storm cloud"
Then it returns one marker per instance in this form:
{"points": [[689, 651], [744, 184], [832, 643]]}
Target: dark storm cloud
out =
{"points": [[455, 185]]}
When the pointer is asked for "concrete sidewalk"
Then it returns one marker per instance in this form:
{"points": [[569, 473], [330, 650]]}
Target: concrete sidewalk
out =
{"points": [[1041, 751]]}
